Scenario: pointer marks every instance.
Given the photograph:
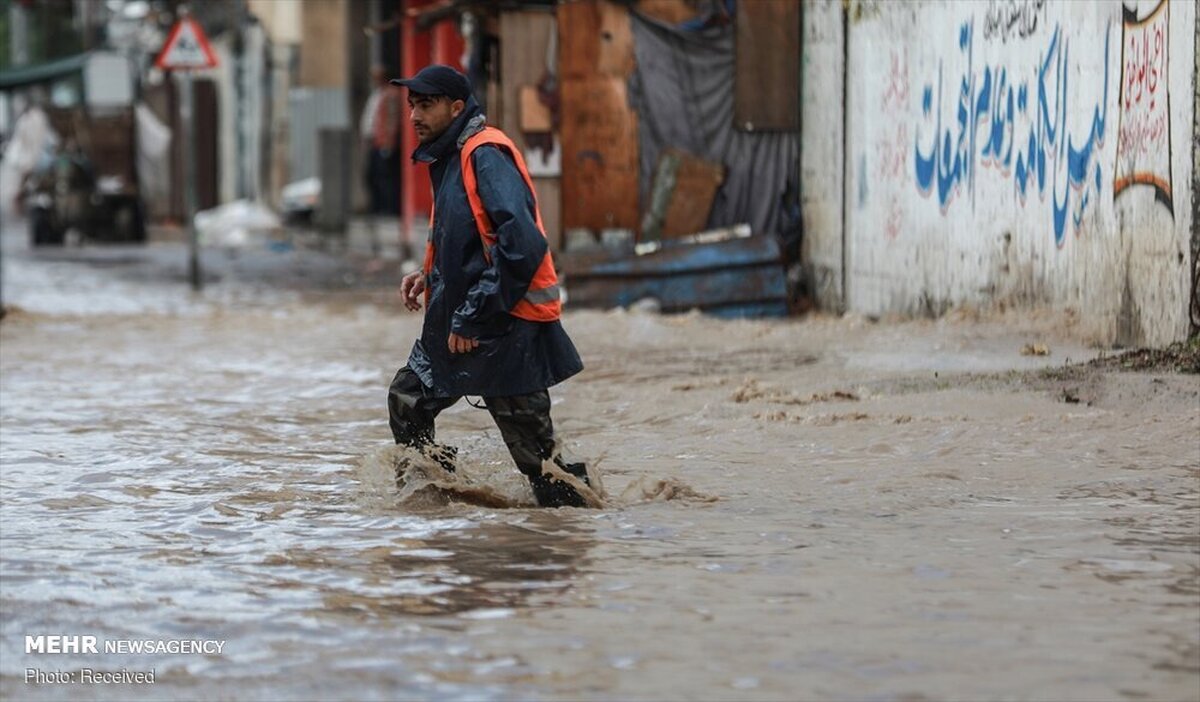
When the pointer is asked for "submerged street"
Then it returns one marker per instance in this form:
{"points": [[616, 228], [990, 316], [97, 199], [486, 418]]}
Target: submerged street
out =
{"points": [[811, 508]]}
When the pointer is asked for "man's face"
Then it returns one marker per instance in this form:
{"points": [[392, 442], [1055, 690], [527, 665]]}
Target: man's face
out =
{"points": [[431, 115]]}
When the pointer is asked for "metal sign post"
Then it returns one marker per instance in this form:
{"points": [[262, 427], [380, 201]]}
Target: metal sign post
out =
{"points": [[189, 180], [187, 49]]}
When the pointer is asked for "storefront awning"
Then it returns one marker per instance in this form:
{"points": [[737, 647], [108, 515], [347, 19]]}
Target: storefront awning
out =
{"points": [[47, 72]]}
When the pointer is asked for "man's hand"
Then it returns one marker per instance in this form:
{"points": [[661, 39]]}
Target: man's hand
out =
{"points": [[411, 288], [461, 344]]}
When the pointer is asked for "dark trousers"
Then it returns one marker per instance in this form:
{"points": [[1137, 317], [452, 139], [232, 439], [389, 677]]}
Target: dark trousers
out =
{"points": [[523, 420], [383, 181]]}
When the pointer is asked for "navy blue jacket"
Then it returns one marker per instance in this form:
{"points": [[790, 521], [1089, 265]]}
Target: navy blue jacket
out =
{"points": [[471, 297]]}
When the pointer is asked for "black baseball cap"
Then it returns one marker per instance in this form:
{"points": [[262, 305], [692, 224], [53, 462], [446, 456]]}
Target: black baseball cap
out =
{"points": [[437, 80]]}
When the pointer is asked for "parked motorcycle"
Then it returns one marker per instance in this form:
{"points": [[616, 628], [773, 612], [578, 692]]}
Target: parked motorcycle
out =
{"points": [[64, 194]]}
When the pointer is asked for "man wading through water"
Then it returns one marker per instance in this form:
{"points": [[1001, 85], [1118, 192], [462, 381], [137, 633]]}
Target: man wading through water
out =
{"points": [[491, 294]]}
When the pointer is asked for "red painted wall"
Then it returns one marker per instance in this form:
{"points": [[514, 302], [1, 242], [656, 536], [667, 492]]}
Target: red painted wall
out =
{"points": [[438, 44]]}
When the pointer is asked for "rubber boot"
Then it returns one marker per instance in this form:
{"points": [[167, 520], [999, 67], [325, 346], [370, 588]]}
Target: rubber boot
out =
{"points": [[551, 492], [442, 454]]}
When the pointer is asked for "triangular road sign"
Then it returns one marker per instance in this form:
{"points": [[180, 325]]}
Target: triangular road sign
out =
{"points": [[186, 47]]}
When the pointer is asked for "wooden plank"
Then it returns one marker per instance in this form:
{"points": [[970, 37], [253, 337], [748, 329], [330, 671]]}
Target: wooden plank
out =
{"points": [[696, 185], [595, 38], [600, 174], [578, 46], [535, 116], [616, 56], [662, 189], [767, 80], [597, 198], [596, 118], [600, 155]]}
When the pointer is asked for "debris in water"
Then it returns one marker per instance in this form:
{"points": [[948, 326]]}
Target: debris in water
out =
{"points": [[662, 490], [751, 390]]}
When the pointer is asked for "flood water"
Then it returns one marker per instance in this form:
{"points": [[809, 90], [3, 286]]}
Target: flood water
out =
{"points": [[817, 509]]}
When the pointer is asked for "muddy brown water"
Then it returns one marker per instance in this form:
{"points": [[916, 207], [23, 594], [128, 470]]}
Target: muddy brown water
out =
{"points": [[819, 509]]}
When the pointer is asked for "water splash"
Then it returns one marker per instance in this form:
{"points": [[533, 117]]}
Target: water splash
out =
{"points": [[406, 478]]}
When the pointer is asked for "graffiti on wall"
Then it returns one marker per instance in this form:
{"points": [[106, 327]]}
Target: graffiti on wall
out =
{"points": [[1011, 19], [1017, 123], [892, 145], [1144, 132]]}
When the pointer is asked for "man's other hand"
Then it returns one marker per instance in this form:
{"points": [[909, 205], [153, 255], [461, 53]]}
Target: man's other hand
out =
{"points": [[461, 344], [411, 288]]}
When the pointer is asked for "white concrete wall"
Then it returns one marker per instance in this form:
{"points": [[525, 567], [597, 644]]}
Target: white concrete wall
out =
{"points": [[987, 157], [821, 171], [281, 19]]}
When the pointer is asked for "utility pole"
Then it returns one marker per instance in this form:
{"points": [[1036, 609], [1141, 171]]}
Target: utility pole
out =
{"points": [[189, 180]]}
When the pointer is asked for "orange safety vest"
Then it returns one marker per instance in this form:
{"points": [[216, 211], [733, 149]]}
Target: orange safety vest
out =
{"points": [[542, 301]]}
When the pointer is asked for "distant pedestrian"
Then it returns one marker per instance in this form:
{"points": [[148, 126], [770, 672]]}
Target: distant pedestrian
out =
{"points": [[490, 290], [380, 129]]}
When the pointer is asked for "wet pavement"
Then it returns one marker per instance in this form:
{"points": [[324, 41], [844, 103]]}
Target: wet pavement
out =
{"points": [[801, 509]]}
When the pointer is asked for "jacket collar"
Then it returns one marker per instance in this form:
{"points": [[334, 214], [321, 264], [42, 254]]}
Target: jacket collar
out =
{"points": [[473, 126], [470, 121]]}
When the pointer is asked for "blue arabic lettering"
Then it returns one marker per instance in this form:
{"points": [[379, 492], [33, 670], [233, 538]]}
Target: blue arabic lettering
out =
{"points": [[992, 104]]}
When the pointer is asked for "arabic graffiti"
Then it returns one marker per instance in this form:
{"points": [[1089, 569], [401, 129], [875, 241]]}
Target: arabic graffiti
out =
{"points": [[993, 109], [892, 145], [1012, 18], [1144, 134]]}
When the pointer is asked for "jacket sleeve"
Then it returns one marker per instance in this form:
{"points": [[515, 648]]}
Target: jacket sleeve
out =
{"points": [[519, 249]]}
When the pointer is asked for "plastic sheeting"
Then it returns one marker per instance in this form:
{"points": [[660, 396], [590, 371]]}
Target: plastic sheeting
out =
{"points": [[153, 157], [32, 145], [683, 93], [236, 224]]}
